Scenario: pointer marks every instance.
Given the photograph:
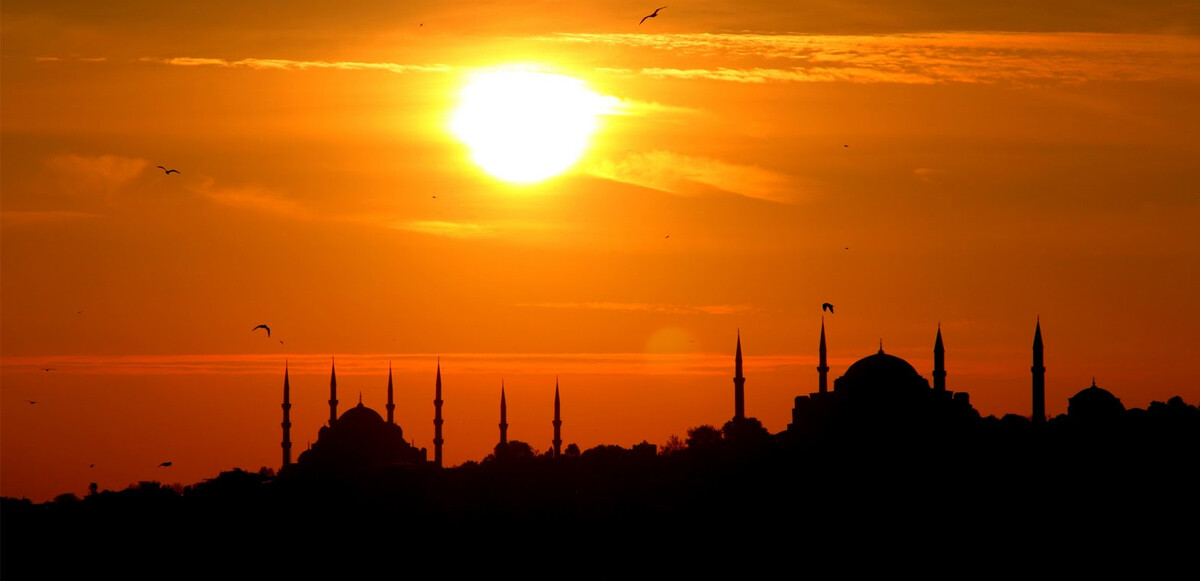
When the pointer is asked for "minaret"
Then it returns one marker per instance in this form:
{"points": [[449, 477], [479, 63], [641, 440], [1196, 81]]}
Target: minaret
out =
{"points": [[822, 368], [557, 422], [437, 417], [287, 419], [1039, 376], [391, 407], [739, 383], [939, 362], [332, 394], [503, 416]]}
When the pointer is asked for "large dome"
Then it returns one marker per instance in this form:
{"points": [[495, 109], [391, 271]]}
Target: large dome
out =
{"points": [[880, 374], [360, 415], [880, 367]]}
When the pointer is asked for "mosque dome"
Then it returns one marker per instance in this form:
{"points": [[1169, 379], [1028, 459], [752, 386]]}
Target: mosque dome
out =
{"points": [[880, 372], [360, 415], [1094, 403]]}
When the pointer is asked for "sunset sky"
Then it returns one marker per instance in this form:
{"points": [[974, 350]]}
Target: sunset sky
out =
{"points": [[974, 165]]}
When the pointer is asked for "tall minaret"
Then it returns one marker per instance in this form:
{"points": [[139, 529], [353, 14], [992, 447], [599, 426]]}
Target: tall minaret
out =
{"points": [[557, 422], [939, 362], [391, 406], [437, 417], [332, 393], [503, 416], [287, 419], [1039, 376], [822, 368], [739, 383]]}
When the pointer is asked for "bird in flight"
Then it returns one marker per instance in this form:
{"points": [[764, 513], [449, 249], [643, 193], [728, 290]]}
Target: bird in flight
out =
{"points": [[262, 327], [47, 369], [31, 402], [167, 464], [168, 171], [651, 15], [827, 307]]}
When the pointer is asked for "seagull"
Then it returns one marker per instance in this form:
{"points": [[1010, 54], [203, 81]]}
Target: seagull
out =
{"points": [[31, 402], [47, 369], [827, 307], [651, 15], [167, 464], [168, 171], [262, 327]]}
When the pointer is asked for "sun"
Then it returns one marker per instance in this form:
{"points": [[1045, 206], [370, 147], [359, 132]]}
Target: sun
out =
{"points": [[525, 126]]}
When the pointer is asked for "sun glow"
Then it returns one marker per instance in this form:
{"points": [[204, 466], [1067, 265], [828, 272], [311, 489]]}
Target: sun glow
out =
{"points": [[526, 126]]}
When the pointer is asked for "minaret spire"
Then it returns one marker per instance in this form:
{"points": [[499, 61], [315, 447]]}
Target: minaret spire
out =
{"points": [[503, 416], [939, 362], [437, 416], [391, 406], [739, 383], [822, 367], [287, 420], [557, 422], [333, 392], [1039, 376]]}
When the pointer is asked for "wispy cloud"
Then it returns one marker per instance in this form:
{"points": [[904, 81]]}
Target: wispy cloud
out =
{"points": [[646, 307], [250, 197], [961, 57], [926, 173], [294, 65], [91, 175], [690, 175], [461, 365], [451, 229]]}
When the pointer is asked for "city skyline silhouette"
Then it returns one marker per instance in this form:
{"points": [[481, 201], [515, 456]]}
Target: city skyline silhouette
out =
{"points": [[590, 210], [881, 443]]}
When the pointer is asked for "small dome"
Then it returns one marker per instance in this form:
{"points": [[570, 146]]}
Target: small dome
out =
{"points": [[1094, 402]]}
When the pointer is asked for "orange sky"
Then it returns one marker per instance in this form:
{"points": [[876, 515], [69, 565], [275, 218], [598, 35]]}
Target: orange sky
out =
{"points": [[1009, 161]]}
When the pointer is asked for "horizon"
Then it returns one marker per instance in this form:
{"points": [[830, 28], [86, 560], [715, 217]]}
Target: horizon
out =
{"points": [[373, 185]]}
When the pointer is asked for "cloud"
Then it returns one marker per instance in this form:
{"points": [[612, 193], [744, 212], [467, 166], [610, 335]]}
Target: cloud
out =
{"points": [[451, 229], [688, 175], [463, 365], [645, 307], [89, 176], [926, 173], [294, 65], [958, 57], [250, 197]]}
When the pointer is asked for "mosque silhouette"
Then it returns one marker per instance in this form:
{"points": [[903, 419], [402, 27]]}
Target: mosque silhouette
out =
{"points": [[878, 394]]}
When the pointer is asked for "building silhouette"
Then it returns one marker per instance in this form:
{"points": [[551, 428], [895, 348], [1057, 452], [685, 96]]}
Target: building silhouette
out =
{"points": [[880, 395], [1039, 376], [503, 416], [358, 439], [557, 441], [1094, 404], [437, 417]]}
